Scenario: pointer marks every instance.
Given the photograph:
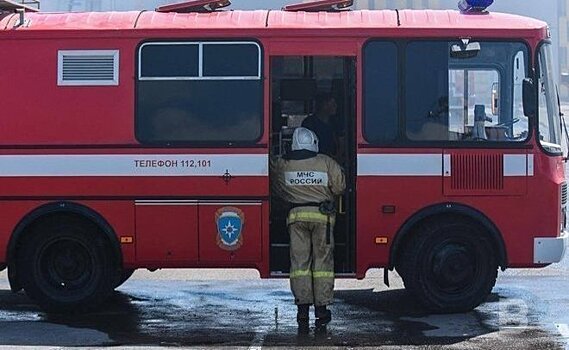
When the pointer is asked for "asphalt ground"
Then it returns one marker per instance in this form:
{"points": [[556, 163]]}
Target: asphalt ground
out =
{"points": [[528, 309]]}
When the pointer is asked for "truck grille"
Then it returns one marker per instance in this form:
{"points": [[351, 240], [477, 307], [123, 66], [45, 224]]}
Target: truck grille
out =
{"points": [[563, 194]]}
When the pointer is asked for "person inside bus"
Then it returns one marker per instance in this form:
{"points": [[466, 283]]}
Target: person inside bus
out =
{"points": [[308, 181], [322, 124]]}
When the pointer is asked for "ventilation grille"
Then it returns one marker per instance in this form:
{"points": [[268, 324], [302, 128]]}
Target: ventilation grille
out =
{"points": [[92, 67], [88, 68], [477, 172], [563, 194]]}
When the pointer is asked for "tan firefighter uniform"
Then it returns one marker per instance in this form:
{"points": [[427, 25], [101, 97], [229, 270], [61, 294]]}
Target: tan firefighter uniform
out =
{"points": [[309, 178]]}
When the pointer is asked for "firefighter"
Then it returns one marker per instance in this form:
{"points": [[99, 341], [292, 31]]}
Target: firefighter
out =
{"points": [[308, 182]]}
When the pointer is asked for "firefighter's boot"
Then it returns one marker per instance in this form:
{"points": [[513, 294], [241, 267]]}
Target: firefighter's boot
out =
{"points": [[323, 315], [302, 313]]}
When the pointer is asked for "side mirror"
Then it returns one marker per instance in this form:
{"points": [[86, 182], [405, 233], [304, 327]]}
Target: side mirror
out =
{"points": [[529, 98], [495, 98]]}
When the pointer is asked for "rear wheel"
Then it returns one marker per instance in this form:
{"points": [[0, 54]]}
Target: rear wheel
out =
{"points": [[66, 265], [450, 265]]}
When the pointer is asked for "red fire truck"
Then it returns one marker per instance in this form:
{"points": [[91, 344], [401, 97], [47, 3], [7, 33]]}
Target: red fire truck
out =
{"points": [[142, 140]]}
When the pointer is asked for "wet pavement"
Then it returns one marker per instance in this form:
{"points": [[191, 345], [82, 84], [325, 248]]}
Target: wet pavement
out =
{"points": [[528, 309]]}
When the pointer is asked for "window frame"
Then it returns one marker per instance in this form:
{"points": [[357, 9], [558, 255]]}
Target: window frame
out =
{"points": [[201, 144], [402, 141]]}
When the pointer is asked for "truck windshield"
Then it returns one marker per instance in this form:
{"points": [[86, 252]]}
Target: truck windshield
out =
{"points": [[549, 119]]}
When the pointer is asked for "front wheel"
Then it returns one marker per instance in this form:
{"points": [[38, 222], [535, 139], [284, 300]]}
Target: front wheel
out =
{"points": [[450, 265], [66, 265]]}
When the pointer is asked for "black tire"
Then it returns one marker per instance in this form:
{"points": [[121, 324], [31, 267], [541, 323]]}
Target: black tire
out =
{"points": [[124, 276], [450, 265], [66, 265]]}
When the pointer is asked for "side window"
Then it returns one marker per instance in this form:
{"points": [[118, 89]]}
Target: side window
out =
{"points": [[519, 76], [427, 88], [169, 60], [381, 112], [244, 60], [199, 92], [549, 122], [457, 95]]}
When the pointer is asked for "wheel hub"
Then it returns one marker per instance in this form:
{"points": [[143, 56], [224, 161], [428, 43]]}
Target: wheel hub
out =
{"points": [[453, 267], [66, 264]]}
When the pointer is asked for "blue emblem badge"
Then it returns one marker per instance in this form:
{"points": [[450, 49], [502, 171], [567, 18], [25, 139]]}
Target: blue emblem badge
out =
{"points": [[230, 222]]}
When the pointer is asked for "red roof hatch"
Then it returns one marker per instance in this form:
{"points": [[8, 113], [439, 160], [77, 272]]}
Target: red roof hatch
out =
{"points": [[194, 6], [320, 5]]}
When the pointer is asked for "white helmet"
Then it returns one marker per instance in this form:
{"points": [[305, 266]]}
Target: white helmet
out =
{"points": [[303, 138]]}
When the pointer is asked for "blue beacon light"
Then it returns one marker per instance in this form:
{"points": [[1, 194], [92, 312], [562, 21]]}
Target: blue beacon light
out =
{"points": [[474, 6]]}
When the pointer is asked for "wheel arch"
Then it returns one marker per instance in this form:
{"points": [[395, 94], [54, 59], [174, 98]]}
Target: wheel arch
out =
{"points": [[407, 229], [50, 210]]}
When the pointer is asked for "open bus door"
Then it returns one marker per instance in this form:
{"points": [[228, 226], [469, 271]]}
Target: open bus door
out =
{"points": [[296, 81]]}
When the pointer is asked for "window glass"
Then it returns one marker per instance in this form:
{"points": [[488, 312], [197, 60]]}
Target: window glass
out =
{"points": [[159, 61], [470, 89], [289, 66], [380, 92], [427, 86], [519, 76], [484, 90], [465, 96], [177, 103], [199, 111], [230, 60], [549, 120]]}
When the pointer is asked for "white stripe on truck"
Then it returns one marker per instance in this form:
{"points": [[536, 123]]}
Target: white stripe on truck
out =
{"points": [[134, 165]]}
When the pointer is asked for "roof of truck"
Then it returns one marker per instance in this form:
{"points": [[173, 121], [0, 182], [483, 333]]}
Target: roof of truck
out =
{"points": [[427, 19]]}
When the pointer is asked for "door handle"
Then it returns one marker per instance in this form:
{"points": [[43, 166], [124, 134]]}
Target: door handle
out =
{"points": [[341, 205]]}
